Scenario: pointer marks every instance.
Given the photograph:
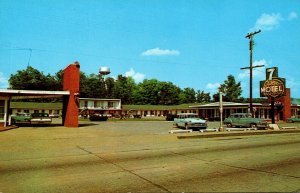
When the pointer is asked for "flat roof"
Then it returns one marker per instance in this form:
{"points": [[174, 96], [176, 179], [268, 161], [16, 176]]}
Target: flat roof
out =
{"points": [[25, 94], [225, 104]]}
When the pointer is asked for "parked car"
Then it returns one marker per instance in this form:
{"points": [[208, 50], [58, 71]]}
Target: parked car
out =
{"points": [[35, 118], [54, 115], [294, 119], [98, 117], [170, 117], [20, 118], [190, 121], [245, 120], [40, 119]]}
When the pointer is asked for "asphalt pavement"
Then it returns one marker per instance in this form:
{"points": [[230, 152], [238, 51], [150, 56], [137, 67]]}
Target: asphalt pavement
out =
{"points": [[145, 157]]}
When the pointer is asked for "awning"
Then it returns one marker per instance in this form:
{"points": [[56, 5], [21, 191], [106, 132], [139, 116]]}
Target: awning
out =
{"points": [[29, 94]]}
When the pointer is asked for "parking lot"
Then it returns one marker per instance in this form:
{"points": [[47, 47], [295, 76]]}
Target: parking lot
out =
{"points": [[139, 156]]}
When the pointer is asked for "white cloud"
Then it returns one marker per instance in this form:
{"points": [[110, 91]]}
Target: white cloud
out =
{"points": [[160, 52], [137, 77], [292, 15], [212, 87], [3, 81], [267, 22]]}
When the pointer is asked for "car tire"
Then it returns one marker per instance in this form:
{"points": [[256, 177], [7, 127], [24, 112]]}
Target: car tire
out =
{"points": [[253, 125], [229, 125]]}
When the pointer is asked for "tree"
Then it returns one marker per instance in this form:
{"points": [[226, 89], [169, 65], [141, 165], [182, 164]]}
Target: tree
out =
{"points": [[232, 90], [123, 89], [168, 94], [32, 79], [189, 95], [109, 85], [202, 97], [149, 92]]}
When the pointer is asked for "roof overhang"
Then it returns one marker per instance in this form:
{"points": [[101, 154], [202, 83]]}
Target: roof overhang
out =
{"points": [[29, 94], [225, 104]]}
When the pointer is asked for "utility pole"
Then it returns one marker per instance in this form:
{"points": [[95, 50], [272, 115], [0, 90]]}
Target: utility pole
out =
{"points": [[251, 43]]}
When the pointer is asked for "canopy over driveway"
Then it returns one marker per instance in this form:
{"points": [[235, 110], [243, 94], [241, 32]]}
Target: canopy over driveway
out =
{"points": [[30, 94], [6, 95], [70, 97]]}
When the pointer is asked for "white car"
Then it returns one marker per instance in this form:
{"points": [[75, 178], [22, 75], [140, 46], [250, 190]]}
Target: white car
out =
{"points": [[190, 121]]}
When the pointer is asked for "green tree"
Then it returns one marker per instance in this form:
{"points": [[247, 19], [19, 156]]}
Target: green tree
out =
{"points": [[33, 79], [202, 97], [123, 89], [149, 92], [232, 90], [109, 86], [188, 95], [168, 94]]}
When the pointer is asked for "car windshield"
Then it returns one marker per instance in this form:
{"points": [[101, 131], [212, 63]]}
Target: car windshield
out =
{"points": [[192, 116]]}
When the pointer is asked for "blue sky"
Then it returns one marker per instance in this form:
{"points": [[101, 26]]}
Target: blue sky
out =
{"points": [[192, 43]]}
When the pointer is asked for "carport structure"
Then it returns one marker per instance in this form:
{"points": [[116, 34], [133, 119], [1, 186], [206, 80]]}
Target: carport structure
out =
{"points": [[70, 95]]}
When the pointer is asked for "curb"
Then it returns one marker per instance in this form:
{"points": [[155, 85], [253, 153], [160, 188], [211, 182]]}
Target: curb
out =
{"points": [[245, 133], [8, 128]]}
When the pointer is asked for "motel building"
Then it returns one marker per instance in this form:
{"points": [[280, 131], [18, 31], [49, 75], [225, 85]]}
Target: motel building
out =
{"points": [[90, 106]]}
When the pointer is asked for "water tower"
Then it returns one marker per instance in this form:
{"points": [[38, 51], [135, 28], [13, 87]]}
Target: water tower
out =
{"points": [[104, 71]]}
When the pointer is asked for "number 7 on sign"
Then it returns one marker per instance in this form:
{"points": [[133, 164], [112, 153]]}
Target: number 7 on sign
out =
{"points": [[271, 72]]}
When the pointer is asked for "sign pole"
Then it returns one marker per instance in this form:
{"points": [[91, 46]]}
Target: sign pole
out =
{"points": [[273, 109], [221, 112]]}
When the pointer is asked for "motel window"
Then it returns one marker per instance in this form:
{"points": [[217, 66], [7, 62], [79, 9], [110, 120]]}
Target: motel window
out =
{"points": [[26, 111], [2, 106], [36, 111], [110, 104]]}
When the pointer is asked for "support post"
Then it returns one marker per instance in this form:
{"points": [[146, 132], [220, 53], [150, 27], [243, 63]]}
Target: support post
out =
{"points": [[221, 111]]}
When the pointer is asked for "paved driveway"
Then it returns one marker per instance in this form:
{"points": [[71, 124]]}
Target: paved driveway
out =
{"points": [[143, 156]]}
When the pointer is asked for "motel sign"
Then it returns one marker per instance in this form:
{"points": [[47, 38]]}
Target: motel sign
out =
{"points": [[273, 86]]}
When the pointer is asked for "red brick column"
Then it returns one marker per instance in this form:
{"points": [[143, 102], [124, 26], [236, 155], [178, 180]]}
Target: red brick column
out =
{"points": [[70, 103], [286, 101]]}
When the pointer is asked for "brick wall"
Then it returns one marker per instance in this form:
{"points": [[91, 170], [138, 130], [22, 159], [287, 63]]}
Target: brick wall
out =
{"points": [[70, 103], [286, 101]]}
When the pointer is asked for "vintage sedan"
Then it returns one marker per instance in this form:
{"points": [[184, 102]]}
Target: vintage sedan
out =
{"points": [[190, 121], [20, 118], [35, 118], [40, 119], [245, 120], [294, 119]]}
